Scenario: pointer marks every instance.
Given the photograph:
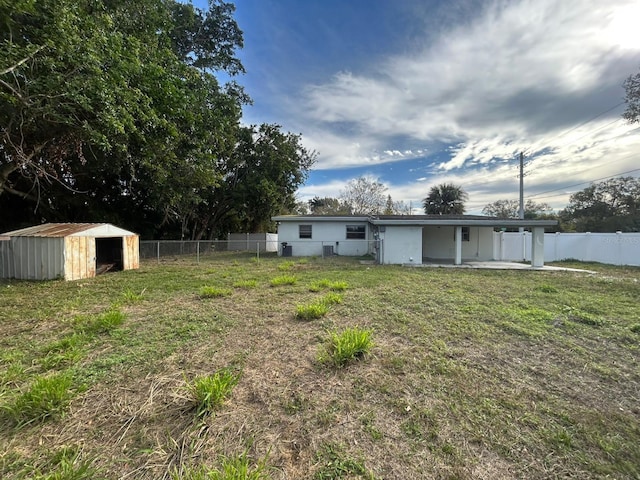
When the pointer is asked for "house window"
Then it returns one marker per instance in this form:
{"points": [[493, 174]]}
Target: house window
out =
{"points": [[465, 234], [356, 232], [304, 231]]}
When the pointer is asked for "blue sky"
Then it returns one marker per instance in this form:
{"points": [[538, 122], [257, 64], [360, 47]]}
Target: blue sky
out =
{"points": [[416, 93]]}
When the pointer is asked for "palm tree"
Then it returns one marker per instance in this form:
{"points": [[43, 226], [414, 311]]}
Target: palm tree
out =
{"points": [[445, 199]]}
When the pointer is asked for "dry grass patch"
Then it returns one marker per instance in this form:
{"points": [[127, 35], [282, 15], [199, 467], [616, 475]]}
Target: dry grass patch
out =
{"points": [[475, 375]]}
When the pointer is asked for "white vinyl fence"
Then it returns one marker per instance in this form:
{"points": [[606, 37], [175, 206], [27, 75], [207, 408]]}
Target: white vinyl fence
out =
{"points": [[612, 248]]}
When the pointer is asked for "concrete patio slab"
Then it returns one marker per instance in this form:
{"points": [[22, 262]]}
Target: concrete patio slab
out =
{"points": [[497, 265]]}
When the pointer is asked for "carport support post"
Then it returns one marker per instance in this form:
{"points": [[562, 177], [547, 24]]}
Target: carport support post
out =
{"points": [[458, 260], [537, 247]]}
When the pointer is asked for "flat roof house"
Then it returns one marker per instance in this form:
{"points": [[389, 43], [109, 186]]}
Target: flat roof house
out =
{"points": [[403, 239]]}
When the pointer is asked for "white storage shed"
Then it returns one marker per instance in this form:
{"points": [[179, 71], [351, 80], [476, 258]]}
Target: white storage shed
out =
{"points": [[67, 250]]}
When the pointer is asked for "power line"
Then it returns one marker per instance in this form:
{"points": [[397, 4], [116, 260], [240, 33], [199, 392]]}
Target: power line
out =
{"points": [[582, 183]]}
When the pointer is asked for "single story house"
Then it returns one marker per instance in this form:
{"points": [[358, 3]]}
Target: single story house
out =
{"points": [[67, 250], [403, 239]]}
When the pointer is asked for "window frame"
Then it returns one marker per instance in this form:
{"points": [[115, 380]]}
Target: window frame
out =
{"points": [[466, 234], [359, 232], [304, 234]]}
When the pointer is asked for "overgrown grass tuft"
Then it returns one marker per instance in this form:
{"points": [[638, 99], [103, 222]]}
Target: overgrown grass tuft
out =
{"points": [[209, 392], [311, 311], [129, 296], [546, 288], [104, 323], [214, 292], [635, 328], [48, 396], [350, 344], [286, 265], [231, 468], [64, 352], [331, 298], [334, 464], [338, 286], [283, 280], [247, 284]]}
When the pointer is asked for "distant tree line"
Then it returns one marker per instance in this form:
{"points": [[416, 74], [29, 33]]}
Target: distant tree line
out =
{"points": [[111, 111], [607, 206]]}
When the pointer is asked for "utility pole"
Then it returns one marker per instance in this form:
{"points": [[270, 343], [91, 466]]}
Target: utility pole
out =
{"points": [[521, 211]]}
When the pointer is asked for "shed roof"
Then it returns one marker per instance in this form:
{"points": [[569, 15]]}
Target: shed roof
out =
{"points": [[53, 230]]}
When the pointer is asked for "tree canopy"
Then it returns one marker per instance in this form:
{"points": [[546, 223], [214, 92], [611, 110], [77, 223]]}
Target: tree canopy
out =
{"points": [[607, 206], [510, 209], [111, 111], [364, 196], [632, 97], [445, 199]]}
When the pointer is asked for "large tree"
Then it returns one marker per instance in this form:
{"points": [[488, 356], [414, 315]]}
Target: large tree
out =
{"points": [[364, 196], [608, 206], [510, 209], [111, 111], [328, 206], [445, 199], [632, 89]]}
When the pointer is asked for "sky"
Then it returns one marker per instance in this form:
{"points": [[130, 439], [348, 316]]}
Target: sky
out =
{"points": [[416, 93]]}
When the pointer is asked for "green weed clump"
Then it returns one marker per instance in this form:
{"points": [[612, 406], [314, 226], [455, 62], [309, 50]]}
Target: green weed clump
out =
{"points": [[67, 465], [209, 392], [319, 285], [231, 468], [545, 288], [245, 284], [214, 292], [104, 323], [325, 284], [129, 296], [338, 286], [331, 299], [311, 311], [283, 280], [47, 397], [334, 463], [66, 351], [350, 344], [635, 328], [286, 266]]}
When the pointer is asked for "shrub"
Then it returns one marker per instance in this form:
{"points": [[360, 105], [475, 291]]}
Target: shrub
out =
{"points": [[209, 392], [283, 280], [311, 311], [350, 344], [212, 292]]}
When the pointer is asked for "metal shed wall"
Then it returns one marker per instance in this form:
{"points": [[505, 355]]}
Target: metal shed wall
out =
{"points": [[32, 258], [50, 251]]}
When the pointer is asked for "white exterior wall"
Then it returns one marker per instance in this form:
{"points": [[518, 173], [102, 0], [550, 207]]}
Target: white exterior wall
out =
{"points": [[401, 245], [323, 233], [438, 243], [611, 248], [32, 258]]}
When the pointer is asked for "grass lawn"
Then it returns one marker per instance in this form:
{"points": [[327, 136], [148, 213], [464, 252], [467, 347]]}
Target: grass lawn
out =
{"points": [[322, 369]]}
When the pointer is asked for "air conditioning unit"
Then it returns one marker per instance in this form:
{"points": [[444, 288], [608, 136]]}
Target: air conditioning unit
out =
{"points": [[327, 250]]}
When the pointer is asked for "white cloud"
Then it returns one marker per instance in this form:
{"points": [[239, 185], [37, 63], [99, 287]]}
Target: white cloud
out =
{"points": [[518, 74]]}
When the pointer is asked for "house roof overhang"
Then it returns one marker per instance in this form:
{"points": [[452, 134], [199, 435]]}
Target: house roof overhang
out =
{"points": [[423, 220], [320, 218]]}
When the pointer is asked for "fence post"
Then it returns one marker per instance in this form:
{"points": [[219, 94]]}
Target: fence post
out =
{"points": [[258, 249], [158, 252], [198, 252]]}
